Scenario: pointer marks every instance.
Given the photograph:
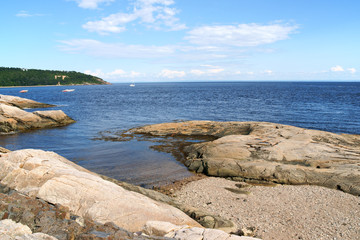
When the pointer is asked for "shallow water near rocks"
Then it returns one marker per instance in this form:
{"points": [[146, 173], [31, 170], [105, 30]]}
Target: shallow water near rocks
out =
{"points": [[333, 107]]}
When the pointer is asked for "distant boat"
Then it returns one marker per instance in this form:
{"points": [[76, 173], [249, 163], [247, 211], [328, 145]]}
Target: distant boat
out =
{"points": [[132, 85], [24, 91], [68, 90]]}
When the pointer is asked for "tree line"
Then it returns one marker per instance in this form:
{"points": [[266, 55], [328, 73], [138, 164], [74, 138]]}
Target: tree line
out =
{"points": [[33, 77]]}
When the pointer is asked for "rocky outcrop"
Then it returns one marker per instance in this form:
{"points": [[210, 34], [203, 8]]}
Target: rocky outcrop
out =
{"points": [[56, 220], [22, 102], [268, 152], [54, 179], [10, 230], [184, 232], [14, 119]]}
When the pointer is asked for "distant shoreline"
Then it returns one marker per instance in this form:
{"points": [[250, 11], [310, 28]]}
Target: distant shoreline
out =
{"points": [[53, 85]]}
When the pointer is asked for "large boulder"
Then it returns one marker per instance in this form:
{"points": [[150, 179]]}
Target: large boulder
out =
{"points": [[13, 119], [269, 152], [22, 102], [48, 176]]}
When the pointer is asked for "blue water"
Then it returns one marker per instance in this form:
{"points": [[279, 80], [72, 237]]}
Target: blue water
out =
{"points": [[333, 107]]}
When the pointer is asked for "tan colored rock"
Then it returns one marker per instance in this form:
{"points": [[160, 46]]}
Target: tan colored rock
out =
{"points": [[165, 229], [55, 179], [22, 102], [269, 152], [10, 230], [14, 119]]}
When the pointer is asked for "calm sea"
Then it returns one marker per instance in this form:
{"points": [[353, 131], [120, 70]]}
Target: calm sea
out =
{"points": [[333, 107]]}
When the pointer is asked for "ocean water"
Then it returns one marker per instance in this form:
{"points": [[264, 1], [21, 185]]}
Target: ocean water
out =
{"points": [[333, 107]]}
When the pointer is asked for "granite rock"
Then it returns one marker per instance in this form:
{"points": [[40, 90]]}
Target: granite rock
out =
{"points": [[268, 152], [189, 233], [22, 102], [54, 179], [10, 230], [14, 119]]}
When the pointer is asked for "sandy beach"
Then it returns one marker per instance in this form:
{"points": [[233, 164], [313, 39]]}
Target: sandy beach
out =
{"points": [[278, 212]]}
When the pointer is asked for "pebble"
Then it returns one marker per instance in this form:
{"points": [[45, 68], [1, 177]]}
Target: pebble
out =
{"points": [[280, 212]]}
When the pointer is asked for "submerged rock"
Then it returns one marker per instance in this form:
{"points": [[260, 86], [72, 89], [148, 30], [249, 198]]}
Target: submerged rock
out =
{"points": [[22, 102], [55, 179], [268, 152]]}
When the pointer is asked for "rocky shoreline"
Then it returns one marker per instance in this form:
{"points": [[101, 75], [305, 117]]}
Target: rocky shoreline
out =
{"points": [[14, 119], [261, 151], [45, 196]]}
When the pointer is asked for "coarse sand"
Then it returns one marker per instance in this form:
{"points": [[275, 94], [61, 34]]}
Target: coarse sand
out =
{"points": [[278, 212]]}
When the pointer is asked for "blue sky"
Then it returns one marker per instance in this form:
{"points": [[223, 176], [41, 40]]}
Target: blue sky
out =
{"points": [[185, 40]]}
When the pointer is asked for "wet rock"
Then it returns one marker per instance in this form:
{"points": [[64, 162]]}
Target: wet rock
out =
{"points": [[269, 152]]}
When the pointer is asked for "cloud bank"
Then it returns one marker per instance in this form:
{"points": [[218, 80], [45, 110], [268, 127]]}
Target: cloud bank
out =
{"points": [[153, 13], [242, 35], [91, 4]]}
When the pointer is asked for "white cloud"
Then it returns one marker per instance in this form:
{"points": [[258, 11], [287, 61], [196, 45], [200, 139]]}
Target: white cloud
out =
{"points": [[337, 69], [96, 73], [91, 4], [114, 75], [197, 72], [268, 72], [208, 70], [352, 70], [216, 70], [153, 13], [27, 14], [114, 50], [117, 72], [166, 73], [242, 35], [135, 74]]}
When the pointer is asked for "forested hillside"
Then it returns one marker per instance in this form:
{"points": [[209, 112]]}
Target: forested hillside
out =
{"points": [[33, 77]]}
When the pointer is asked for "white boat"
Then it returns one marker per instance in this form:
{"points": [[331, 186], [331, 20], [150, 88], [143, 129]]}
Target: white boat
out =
{"points": [[24, 91], [68, 90], [132, 85]]}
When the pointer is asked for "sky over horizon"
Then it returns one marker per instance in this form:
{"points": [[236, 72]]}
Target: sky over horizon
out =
{"points": [[184, 40]]}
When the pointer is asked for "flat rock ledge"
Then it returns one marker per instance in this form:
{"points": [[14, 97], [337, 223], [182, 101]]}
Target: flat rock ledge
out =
{"points": [[22, 102], [14, 119], [268, 152]]}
